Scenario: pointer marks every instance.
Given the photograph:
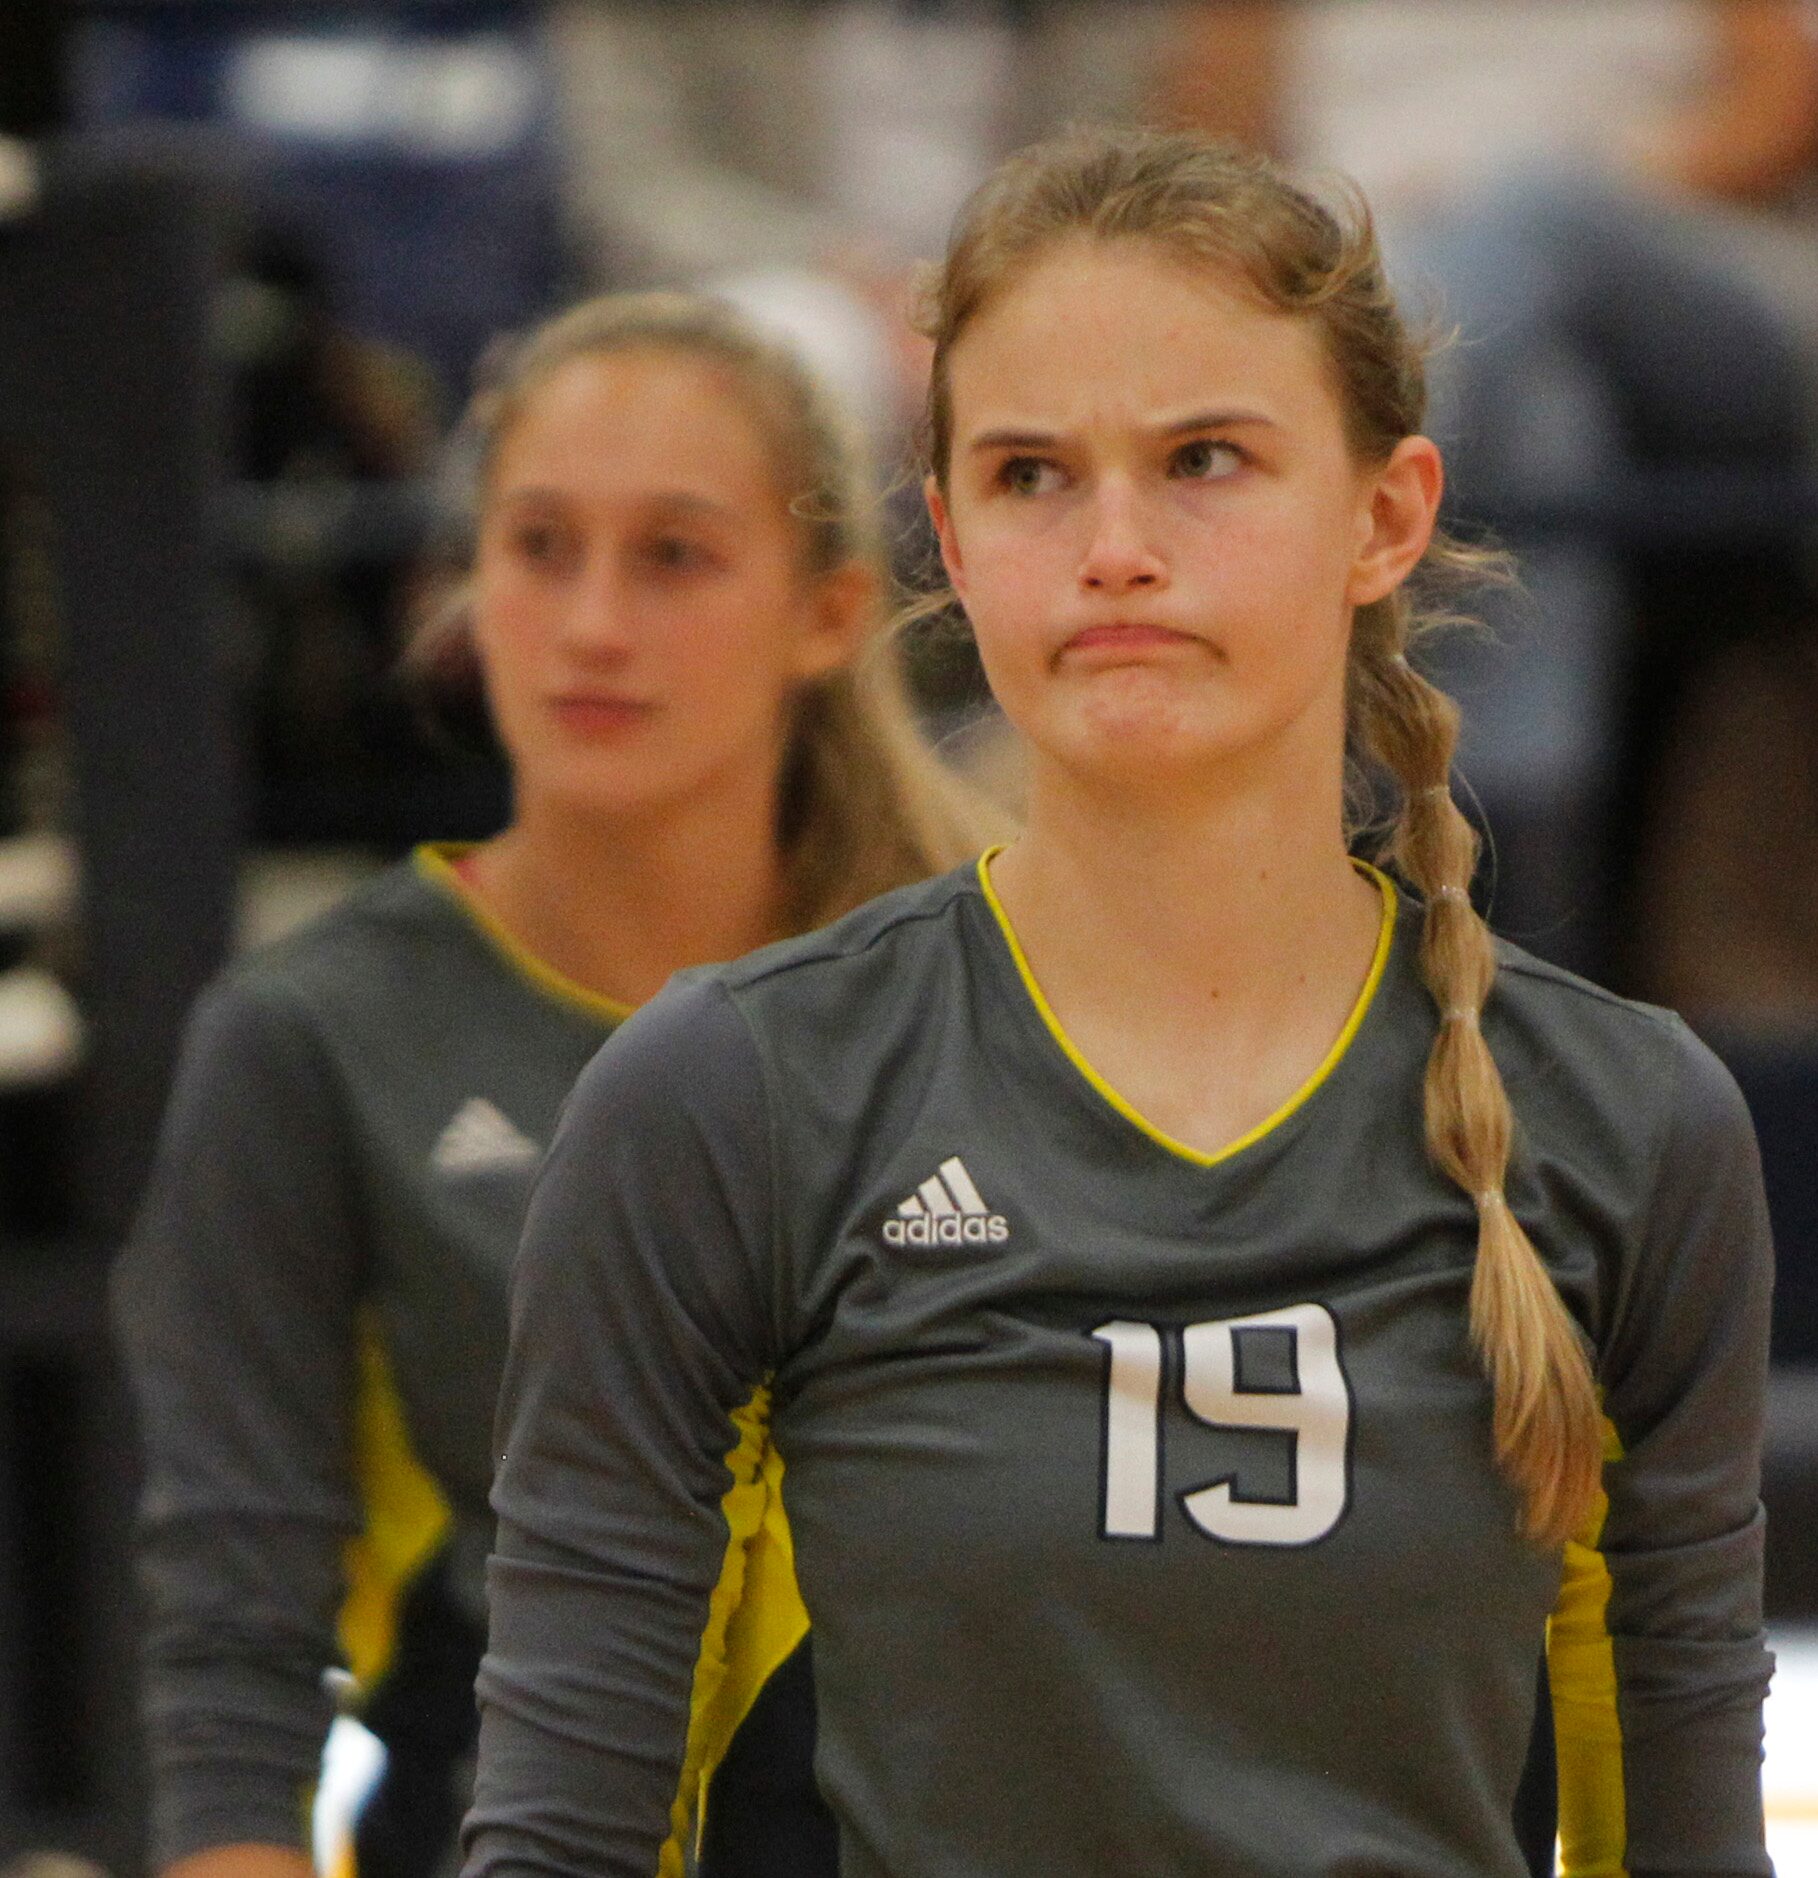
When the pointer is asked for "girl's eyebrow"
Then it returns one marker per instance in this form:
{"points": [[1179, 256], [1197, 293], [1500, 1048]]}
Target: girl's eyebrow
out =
{"points": [[683, 501], [1173, 427], [1013, 440], [1213, 420]]}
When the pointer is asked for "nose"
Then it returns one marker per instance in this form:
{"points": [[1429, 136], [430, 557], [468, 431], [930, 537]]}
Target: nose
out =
{"points": [[594, 626], [1120, 554]]}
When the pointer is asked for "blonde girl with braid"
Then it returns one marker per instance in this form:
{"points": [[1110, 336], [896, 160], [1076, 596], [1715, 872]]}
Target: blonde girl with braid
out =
{"points": [[1220, 1314]]}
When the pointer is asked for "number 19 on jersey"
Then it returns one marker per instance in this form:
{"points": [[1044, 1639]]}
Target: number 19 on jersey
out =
{"points": [[1276, 1370]]}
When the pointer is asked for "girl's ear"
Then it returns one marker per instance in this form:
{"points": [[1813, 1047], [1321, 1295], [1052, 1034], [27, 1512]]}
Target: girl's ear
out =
{"points": [[942, 518], [1396, 518], [841, 607]]}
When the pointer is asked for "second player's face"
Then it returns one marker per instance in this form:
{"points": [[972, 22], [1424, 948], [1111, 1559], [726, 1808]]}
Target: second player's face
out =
{"points": [[640, 610], [1153, 517]]}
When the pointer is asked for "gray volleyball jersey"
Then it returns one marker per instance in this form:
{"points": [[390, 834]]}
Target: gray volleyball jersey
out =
{"points": [[313, 1311], [1142, 1501]]}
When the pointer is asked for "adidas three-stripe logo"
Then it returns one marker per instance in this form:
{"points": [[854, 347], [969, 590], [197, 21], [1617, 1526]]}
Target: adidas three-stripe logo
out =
{"points": [[946, 1209], [483, 1139]]}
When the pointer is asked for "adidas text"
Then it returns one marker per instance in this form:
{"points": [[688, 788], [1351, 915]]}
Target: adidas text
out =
{"points": [[946, 1209], [948, 1230]]}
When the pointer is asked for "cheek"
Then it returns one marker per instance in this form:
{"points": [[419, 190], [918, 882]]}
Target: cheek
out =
{"points": [[728, 647], [1278, 578], [507, 631], [1011, 594]]}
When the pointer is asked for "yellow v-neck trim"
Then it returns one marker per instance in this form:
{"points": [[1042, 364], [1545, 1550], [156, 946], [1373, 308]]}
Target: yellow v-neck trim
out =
{"points": [[435, 862], [1365, 998]]}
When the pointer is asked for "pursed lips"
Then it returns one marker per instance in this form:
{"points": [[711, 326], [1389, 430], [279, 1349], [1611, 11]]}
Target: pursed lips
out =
{"points": [[1127, 638]]}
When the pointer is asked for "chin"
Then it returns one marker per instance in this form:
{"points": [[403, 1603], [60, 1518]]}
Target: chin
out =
{"points": [[603, 790], [1146, 732], [1155, 734]]}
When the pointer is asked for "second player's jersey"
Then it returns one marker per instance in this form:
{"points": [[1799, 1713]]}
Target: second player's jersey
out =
{"points": [[1142, 1500], [313, 1311]]}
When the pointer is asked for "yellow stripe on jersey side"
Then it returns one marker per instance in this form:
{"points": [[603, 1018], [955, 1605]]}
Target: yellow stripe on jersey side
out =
{"points": [[755, 1622], [406, 1516], [435, 862], [1587, 1727], [1385, 938]]}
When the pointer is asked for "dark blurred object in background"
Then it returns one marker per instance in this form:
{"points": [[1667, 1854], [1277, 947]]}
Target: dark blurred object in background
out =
{"points": [[323, 421], [34, 94], [396, 169], [413, 145], [108, 465]]}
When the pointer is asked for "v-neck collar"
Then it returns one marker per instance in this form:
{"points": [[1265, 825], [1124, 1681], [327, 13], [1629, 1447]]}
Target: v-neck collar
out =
{"points": [[1112, 1100], [435, 861]]}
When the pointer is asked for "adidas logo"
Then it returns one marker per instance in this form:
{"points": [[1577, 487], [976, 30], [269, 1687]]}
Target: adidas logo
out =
{"points": [[946, 1209], [482, 1140]]}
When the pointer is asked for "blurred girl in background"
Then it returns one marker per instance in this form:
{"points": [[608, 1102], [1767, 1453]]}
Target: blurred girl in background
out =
{"points": [[674, 609]]}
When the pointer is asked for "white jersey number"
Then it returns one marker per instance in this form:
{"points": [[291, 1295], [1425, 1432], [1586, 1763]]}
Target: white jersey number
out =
{"points": [[1308, 1398]]}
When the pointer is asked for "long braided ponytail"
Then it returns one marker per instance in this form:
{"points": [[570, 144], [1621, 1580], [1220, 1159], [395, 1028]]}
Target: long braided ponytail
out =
{"points": [[1547, 1427], [1215, 206]]}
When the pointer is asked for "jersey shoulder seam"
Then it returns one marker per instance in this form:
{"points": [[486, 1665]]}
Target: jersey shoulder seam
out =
{"points": [[383, 912], [773, 1157], [1511, 960], [833, 945]]}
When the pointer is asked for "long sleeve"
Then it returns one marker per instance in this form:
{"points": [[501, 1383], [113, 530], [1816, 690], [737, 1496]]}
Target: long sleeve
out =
{"points": [[1660, 1665], [234, 1307], [643, 1323]]}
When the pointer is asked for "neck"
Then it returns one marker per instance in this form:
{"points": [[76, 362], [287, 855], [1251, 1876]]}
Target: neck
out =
{"points": [[619, 904], [1231, 891], [1202, 954]]}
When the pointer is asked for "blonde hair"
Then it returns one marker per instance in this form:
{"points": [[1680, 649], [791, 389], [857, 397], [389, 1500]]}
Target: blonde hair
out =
{"points": [[865, 804], [1215, 206]]}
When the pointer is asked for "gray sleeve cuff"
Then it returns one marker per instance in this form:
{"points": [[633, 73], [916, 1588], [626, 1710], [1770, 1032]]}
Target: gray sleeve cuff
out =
{"points": [[241, 1770]]}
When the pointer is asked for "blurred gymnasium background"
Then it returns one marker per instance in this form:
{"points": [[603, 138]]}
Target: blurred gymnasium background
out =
{"points": [[250, 251]]}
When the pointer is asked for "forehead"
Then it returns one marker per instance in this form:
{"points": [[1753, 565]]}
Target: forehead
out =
{"points": [[621, 425], [1106, 333]]}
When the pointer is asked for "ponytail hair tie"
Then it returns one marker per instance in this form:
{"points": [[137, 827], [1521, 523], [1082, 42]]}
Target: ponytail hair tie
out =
{"points": [[1450, 892], [1459, 1014], [1436, 789], [1491, 1196]]}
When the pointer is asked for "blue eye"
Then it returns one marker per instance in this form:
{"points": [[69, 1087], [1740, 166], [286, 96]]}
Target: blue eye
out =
{"points": [[1206, 459]]}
